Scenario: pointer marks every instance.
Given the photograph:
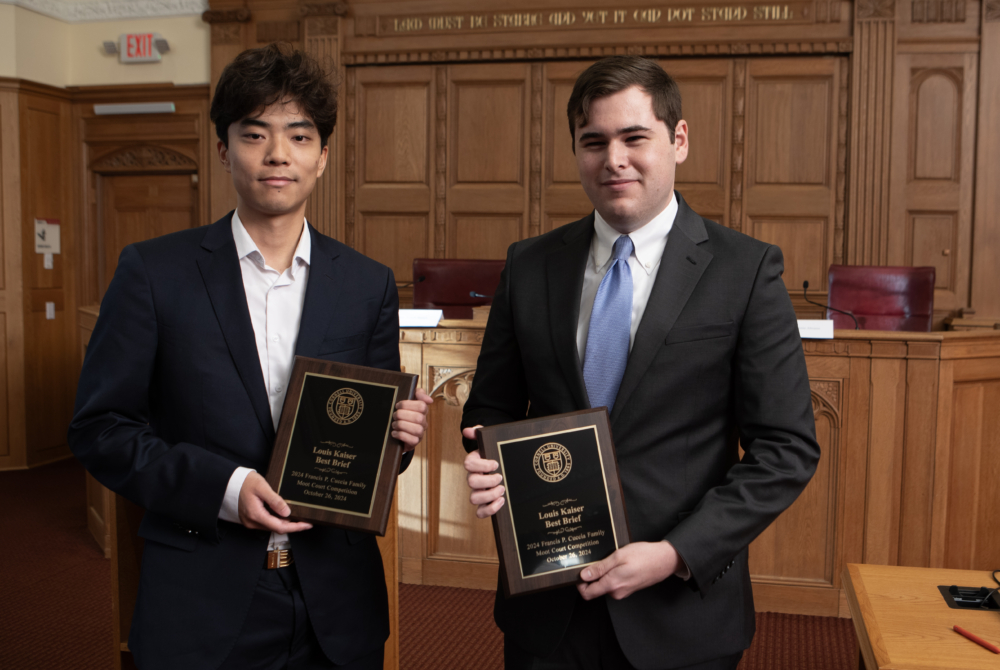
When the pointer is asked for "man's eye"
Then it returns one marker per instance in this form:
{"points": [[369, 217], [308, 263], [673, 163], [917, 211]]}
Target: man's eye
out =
{"points": [[635, 138], [254, 136], [301, 138]]}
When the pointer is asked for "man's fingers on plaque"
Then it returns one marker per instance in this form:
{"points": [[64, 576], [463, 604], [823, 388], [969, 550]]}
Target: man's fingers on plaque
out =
{"points": [[489, 510], [477, 481]]}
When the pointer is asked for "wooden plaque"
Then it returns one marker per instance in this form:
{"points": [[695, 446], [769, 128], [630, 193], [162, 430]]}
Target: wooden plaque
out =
{"points": [[334, 460], [564, 507]]}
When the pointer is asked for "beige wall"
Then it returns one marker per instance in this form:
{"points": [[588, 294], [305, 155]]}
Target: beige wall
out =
{"points": [[50, 51]]}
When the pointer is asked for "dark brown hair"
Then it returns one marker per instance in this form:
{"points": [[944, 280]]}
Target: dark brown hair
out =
{"points": [[616, 73], [260, 77]]}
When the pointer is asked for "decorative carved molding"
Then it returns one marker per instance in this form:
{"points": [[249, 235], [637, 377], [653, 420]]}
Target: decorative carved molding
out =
{"points": [[350, 158], [841, 186], [440, 161], [143, 158], [830, 347], [81, 12], [659, 50], [455, 390], [937, 11], [992, 10], [441, 335], [365, 26], [739, 128], [323, 9], [828, 391], [278, 31], [535, 177], [227, 33], [875, 9], [827, 11], [241, 15], [318, 26]]}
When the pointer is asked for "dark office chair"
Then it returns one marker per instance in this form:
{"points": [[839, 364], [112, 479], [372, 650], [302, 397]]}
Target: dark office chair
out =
{"points": [[882, 298], [454, 285]]}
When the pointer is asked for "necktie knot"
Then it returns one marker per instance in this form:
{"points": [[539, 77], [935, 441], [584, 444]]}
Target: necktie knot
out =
{"points": [[623, 248]]}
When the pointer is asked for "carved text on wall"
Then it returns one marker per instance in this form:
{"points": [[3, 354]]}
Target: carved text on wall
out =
{"points": [[588, 19]]}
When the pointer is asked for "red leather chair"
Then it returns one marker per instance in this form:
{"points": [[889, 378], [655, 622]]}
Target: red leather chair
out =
{"points": [[454, 285], [882, 298]]}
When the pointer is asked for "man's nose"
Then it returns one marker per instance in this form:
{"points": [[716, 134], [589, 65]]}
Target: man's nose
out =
{"points": [[617, 156], [277, 152]]}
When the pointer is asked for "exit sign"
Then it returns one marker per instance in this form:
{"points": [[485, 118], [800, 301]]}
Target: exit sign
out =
{"points": [[138, 48]]}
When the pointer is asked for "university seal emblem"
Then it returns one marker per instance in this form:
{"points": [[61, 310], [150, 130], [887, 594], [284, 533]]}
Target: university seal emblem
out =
{"points": [[345, 406], [552, 462]]}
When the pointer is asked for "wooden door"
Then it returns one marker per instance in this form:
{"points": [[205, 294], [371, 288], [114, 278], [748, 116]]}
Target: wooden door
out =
{"points": [[139, 207], [933, 158]]}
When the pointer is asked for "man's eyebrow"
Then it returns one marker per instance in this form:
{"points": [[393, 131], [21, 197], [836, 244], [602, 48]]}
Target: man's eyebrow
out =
{"points": [[257, 123], [305, 123], [593, 134]]}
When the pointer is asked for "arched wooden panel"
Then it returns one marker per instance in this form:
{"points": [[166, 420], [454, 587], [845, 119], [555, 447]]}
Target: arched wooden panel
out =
{"points": [[938, 112]]}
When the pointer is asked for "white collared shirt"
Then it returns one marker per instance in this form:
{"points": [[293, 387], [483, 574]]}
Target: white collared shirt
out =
{"points": [[649, 242], [275, 300]]}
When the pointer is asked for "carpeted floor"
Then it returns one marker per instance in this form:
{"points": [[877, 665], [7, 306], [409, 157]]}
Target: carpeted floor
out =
{"points": [[55, 599]]}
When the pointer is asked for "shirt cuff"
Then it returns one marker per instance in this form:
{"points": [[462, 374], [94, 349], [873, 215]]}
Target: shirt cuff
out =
{"points": [[683, 572], [231, 502]]}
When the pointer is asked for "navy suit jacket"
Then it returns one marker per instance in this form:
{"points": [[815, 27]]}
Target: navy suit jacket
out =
{"points": [[172, 399], [716, 363]]}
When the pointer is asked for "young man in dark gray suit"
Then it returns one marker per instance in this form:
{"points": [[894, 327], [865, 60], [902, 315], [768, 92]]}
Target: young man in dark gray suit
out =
{"points": [[684, 330], [183, 384]]}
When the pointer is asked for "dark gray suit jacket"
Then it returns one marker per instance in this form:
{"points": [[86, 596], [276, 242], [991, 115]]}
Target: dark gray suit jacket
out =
{"points": [[717, 362]]}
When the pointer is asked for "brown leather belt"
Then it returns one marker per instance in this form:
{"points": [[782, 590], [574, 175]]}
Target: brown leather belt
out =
{"points": [[279, 558]]}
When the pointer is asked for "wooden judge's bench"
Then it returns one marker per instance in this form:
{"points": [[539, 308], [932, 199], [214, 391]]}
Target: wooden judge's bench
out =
{"points": [[908, 426], [910, 433]]}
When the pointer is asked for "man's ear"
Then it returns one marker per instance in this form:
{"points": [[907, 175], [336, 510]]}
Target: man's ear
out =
{"points": [[224, 155], [321, 164], [681, 141]]}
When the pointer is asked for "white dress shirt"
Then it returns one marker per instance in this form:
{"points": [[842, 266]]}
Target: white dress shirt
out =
{"points": [[649, 242], [275, 300]]}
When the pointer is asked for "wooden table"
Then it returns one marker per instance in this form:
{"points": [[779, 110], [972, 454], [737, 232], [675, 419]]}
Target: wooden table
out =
{"points": [[903, 623]]}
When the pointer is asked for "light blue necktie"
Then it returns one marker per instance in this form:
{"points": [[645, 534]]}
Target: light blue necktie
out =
{"points": [[610, 326]]}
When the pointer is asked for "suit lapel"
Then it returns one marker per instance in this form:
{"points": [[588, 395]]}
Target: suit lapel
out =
{"points": [[323, 296], [681, 267], [564, 271], [220, 270]]}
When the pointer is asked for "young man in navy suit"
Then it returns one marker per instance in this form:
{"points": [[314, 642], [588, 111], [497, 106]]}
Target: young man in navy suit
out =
{"points": [[183, 385], [684, 330]]}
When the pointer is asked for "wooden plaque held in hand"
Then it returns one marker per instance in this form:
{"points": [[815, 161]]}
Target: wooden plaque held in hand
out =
{"points": [[335, 461], [564, 507]]}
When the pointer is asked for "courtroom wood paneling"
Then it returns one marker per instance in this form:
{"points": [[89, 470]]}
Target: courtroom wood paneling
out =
{"points": [[791, 148], [931, 192], [50, 344], [393, 193], [488, 149], [12, 439], [139, 207], [324, 209]]}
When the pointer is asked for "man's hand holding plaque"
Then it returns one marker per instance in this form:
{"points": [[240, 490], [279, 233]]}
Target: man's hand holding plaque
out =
{"points": [[560, 506], [341, 437]]}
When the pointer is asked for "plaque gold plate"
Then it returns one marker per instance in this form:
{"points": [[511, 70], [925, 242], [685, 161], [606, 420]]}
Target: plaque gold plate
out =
{"points": [[335, 461], [564, 507]]}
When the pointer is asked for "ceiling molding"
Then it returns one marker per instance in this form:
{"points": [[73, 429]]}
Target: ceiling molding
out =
{"points": [[110, 10]]}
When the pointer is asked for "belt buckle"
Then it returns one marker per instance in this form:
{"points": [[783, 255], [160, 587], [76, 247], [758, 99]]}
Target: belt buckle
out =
{"points": [[279, 558]]}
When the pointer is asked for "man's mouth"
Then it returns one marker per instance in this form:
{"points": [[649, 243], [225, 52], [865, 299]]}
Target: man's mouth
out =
{"points": [[277, 181]]}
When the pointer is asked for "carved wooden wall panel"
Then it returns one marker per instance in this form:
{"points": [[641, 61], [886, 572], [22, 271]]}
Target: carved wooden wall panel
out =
{"points": [[931, 194], [324, 208], [791, 153], [489, 144], [973, 498], [394, 165], [563, 199], [50, 344]]}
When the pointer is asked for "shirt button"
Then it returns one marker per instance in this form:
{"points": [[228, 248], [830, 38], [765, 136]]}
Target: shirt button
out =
{"points": [[275, 338], [277, 389], [647, 265]]}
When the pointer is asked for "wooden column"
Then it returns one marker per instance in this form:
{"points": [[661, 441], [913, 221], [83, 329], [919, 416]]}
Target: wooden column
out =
{"points": [[871, 119], [229, 33], [322, 38], [985, 298]]}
